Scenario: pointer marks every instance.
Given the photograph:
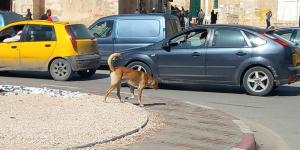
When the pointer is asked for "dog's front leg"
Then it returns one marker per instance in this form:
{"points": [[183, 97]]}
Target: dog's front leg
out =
{"points": [[140, 92]]}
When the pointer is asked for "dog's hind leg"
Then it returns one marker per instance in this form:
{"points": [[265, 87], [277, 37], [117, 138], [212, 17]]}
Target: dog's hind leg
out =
{"points": [[112, 87], [131, 92], [118, 93]]}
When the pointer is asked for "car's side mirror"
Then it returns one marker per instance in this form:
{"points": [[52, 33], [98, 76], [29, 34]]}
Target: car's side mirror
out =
{"points": [[166, 46]]}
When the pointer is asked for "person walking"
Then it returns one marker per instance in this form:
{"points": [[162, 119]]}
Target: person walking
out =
{"points": [[201, 16], [268, 19], [28, 15], [213, 17], [47, 15]]}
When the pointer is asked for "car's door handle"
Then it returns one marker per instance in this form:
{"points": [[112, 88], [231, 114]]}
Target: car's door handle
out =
{"points": [[47, 45], [14, 47], [196, 54], [241, 53]]}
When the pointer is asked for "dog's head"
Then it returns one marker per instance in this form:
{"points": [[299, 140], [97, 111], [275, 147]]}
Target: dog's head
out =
{"points": [[152, 82]]}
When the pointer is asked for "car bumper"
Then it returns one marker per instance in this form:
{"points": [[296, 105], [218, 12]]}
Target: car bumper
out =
{"points": [[84, 62]]}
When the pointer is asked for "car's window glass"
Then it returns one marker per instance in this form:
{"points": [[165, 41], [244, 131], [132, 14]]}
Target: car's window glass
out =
{"points": [[172, 27], [297, 39], [103, 29], [79, 31], [40, 33], [138, 28], [193, 39], [11, 34], [255, 40], [228, 38], [286, 34]]}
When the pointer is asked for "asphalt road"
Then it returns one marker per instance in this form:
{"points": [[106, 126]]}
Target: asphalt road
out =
{"points": [[274, 119]]}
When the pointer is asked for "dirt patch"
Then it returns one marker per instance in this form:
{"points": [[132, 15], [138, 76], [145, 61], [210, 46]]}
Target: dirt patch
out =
{"points": [[40, 121]]}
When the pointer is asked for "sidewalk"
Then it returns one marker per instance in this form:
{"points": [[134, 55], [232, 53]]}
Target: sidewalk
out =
{"points": [[189, 126]]}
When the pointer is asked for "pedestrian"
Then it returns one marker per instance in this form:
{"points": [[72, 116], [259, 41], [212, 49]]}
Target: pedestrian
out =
{"points": [[181, 19], [47, 15], [197, 18], [190, 18], [186, 21], [201, 16], [213, 17], [28, 15], [268, 18]]}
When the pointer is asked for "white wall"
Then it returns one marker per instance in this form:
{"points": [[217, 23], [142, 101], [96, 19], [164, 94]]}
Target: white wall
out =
{"points": [[288, 10]]}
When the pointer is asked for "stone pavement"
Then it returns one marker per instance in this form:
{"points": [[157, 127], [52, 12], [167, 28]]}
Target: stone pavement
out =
{"points": [[194, 127]]}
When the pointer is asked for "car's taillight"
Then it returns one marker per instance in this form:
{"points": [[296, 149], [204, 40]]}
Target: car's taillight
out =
{"points": [[281, 42], [72, 38]]}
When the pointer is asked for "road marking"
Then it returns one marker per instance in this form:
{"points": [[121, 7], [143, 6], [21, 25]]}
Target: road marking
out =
{"points": [[244, 128], [60, 86], [199, 105]]}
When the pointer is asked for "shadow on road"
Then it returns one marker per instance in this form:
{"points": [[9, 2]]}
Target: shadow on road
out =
{"points": [[46, 75], [287, 90], [151, 104]]}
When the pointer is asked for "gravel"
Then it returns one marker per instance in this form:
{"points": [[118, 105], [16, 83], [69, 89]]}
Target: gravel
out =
{"points": [[34, 118]]}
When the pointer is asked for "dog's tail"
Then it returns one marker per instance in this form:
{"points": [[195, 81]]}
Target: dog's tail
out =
{"points": [[110, 59]]}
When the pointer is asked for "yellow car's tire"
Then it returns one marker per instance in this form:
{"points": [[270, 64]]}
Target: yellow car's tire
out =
{"points": [[61, 70]]}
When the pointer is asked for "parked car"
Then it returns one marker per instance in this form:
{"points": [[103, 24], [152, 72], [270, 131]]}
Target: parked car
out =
{"points": [[220, 54], [58, 47], [122, 32], [292, 34], [9, 17]]}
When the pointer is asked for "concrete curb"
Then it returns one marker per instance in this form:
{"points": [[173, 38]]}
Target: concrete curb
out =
{"points": [[135, 130], [34, 90], [247, 140]]}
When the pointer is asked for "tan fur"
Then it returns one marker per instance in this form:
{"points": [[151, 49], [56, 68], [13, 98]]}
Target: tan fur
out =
{"points": [[134, 78]]}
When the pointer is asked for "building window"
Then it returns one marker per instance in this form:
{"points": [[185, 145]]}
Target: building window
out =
{"points": [[216, 4]]}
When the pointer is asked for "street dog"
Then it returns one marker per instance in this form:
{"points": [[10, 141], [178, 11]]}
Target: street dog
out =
{"points": [[135, 79]]}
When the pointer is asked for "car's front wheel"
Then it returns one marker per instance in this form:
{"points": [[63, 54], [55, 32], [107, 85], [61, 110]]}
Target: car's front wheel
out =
{"points": [[61, 70], [258, 81], [140, 67], [86, 73]]}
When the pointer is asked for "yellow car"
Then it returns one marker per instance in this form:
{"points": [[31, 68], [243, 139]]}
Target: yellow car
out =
{"points": [[58, 47]]}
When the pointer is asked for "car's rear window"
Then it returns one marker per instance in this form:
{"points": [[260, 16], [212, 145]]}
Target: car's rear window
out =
{"points": [[80, 31]]}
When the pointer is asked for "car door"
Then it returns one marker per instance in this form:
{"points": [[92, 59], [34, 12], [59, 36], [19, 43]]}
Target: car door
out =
{"points": [[184, 61], [229, 47], [10, 49], [38, 46], [103, 30]]}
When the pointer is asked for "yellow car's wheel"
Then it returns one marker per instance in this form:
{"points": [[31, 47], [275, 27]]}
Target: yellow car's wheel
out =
{"points": [[61, 70]]}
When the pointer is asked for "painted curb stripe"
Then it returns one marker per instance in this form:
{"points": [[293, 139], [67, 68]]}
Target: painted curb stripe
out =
{"points": [[244, 128]]}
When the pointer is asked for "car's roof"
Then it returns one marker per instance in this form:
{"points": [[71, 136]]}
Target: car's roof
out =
{"points": [[152, 15], [246, 27], [42, 22], [284, 28]]}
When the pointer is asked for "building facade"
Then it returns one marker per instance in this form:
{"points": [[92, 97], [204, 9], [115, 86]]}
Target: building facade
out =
{"points": [[249, 12]]}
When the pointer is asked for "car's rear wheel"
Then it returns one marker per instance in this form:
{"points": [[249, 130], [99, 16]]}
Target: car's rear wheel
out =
{"points": [[86, 73], [61, 70], [258, 81], [140, 67]]}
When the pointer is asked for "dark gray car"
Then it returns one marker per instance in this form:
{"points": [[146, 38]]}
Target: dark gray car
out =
{"points": [[220, 54], [122, 32]]}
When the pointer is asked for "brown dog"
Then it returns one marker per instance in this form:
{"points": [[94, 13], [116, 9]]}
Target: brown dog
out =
{"points": [[134, 78]]}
